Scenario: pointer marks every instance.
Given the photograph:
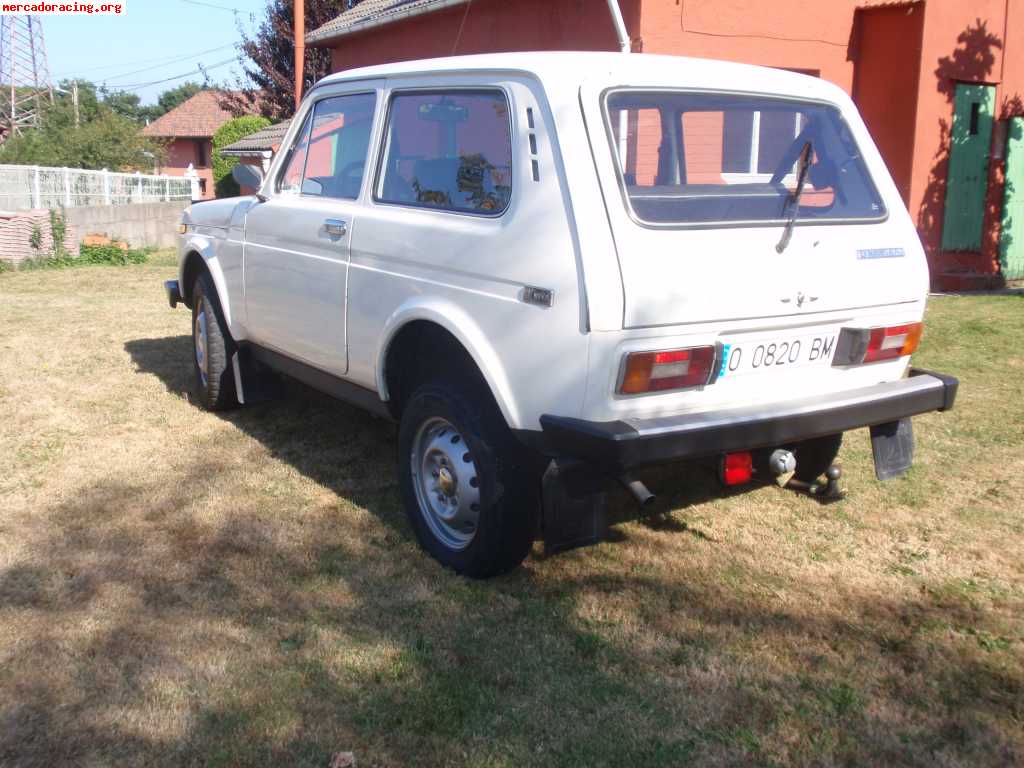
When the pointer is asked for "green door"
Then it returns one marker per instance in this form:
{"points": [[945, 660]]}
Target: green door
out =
{"points": [[967, 179], [1011, 241]]}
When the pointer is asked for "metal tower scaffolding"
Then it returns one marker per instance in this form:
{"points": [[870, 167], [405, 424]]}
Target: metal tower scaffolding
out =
{"points": [[24, 74]]}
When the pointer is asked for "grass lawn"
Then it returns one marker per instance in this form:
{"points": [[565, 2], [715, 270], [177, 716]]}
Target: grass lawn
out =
{"points": [[181, 588]]}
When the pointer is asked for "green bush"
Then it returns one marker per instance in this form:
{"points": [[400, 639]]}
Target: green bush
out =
{"points": [[89, 255], [229, 133], [109, 254]]}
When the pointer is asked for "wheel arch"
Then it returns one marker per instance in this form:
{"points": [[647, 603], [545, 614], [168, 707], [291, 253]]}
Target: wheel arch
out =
{"points": [[456, 325], [200, 258]]}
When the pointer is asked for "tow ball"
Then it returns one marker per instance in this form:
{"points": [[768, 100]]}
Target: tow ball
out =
{"points": [[782, 463]]}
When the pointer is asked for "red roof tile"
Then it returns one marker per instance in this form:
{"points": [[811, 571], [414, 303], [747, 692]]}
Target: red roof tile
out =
{"points": [[199, 117]]}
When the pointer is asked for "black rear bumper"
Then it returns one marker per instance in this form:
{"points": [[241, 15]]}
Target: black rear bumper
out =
{"points": [[630, 443]]}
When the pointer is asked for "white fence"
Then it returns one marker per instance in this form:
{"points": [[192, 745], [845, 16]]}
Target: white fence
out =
{"points": [[32, 186]]}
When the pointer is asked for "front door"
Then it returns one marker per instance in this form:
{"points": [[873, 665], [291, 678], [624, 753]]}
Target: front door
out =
{"points": [[1011, 240], [967, 179], [297, 242]]}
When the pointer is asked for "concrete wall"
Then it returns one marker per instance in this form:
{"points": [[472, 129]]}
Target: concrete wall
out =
{"points": [[144, 225]]}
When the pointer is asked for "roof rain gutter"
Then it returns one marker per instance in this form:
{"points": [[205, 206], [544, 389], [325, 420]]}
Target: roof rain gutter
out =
{"points": [[321, 37], [620, 25]]}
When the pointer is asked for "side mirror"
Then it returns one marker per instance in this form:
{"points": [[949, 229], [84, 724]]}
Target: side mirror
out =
{"points": [[248, 176]]}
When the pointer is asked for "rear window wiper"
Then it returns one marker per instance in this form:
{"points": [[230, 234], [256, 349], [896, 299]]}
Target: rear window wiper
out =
{"points": [[794, 197]]}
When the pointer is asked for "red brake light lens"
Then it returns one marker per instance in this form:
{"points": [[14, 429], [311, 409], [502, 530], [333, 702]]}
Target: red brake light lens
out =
{"points": [[666, 370], [737, 468], [873, 345]]}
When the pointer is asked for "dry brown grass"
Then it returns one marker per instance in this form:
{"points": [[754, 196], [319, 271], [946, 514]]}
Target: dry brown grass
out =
{"points": [[182, 588]]}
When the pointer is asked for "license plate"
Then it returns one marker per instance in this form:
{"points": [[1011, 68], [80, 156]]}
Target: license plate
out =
{"points": [[773, 354]]}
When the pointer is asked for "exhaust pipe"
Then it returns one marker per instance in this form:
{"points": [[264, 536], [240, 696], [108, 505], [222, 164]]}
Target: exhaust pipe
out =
{"points": [[637, 490]]}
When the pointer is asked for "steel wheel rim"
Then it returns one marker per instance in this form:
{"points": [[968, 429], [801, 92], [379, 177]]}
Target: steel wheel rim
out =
{"points": [[447, 483], [202, 345]]}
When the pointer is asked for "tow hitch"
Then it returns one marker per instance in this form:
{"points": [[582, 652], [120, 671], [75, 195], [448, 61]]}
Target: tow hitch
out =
{"points": [[827, 491], [782, 464]]}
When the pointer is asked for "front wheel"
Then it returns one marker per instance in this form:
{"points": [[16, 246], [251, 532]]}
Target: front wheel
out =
{"points": [[212, 347], [466, 486]]}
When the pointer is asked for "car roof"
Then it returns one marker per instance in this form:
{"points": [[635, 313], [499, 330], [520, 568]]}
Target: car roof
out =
{"points": [[570, 69]]}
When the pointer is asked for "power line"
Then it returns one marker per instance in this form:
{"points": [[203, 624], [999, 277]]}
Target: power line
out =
{"points": [[214, 5], [164, 61], [200, 70]]}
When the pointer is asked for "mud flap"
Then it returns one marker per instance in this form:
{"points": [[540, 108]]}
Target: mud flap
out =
{"points": [[575, 506], [893, 447], [254, 382]]}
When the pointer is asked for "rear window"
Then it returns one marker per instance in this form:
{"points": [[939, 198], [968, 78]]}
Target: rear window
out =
{"points": [[702, 158], [450, 150]]}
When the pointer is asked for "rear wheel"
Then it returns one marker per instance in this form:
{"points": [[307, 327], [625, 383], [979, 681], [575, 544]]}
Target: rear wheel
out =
{"points": [[466, 486], [212, 348], [813, 457]]}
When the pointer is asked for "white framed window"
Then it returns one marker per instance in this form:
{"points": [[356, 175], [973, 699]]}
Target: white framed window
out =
{"points": [[752, 142]]}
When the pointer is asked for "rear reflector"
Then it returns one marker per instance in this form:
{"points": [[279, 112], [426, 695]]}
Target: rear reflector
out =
{"points": [[737, 468], [873, 345], [670, 369]]}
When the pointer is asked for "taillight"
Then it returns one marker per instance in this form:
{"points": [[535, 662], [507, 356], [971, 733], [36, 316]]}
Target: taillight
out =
{"points": [[890, 343], [873, 345], [737, 468], [669, 369]]}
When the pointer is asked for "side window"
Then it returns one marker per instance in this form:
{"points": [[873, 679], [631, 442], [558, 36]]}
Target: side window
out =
{"points": [[291, 179], [329, 158], [449, 150]]}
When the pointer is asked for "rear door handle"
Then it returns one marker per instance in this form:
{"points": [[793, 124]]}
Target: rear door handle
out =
{"points": [[336, 227]]}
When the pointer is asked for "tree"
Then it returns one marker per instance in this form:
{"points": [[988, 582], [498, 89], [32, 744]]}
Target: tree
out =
{"points": [[103, 138], [124, 103], [169, 99], [230, 132], [268, 59]]}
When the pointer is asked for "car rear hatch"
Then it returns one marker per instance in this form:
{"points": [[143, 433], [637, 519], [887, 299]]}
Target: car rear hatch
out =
{"points": [[701, 188]]}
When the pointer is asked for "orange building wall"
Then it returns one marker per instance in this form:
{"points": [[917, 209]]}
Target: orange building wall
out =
{"points": [[887, 42], [489, 26], [919, 55], [961, 42], [181, 152]]}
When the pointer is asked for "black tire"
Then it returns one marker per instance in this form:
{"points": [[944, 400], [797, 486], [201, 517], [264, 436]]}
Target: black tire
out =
{"points": [[813, 457], [216, 388], [504, 477]]}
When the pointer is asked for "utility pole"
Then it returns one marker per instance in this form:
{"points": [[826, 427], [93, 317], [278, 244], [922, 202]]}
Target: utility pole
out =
{"points": [[74, 99], [300, 48]]}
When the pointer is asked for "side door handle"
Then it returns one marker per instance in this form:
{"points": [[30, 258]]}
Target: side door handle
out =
{"points": [[336, 227]]}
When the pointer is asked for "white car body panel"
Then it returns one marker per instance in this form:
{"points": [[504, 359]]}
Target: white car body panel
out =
{"points": [[617, 286]]}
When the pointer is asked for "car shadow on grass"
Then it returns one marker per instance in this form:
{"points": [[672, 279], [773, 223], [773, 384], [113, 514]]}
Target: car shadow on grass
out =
{"points": [[347, 439], [264, 636]]}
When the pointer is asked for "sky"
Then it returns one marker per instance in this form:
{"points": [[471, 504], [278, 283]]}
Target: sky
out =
{"points": [[153, 40]]}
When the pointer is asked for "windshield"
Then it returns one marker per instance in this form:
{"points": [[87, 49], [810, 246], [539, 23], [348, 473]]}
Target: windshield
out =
{"points": [[714, 158]]}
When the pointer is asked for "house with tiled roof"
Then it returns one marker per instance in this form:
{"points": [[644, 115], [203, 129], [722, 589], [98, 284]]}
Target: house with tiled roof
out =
{"points": [[188, 130], [258, 148]]}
